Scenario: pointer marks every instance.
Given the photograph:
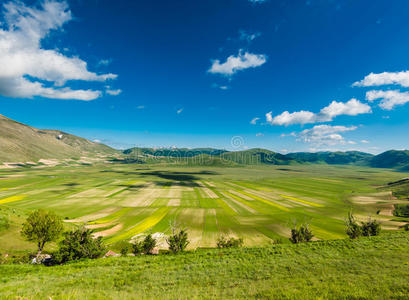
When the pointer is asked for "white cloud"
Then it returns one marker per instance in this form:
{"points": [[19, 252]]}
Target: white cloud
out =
{"points": [[114, 92], [385, 78], [179, 111], [233, 64], [257, 1], [140, 107], [390, 99], [365, 142], [259, 134], [325, 135], [105, 62], [254, 121], [248, 36], [351, 108], [25, 66]]}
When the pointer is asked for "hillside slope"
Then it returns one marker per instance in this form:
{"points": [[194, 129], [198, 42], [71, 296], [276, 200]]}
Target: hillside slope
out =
{"points": [[398, 159], [22, 143], [366, 268]]}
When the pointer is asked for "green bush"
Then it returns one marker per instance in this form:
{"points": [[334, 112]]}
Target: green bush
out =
{"points": [[406, 227], [144, 247], [79, 244], [301, 234], [125, 249], [178, 241], [401, 210], [137, 248], [223, 242], [371, 228], [4, 222], [353, 229]]}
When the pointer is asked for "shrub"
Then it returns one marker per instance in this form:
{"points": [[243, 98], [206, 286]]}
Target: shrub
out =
{"points": [[79, 244], [137, 247], [178, 241], [406, 227], [371, 228], [401, 210], [125, 250], [301, 234], [353, 229], [148, 244], [223, 242], [4, 222], [41, 227]]}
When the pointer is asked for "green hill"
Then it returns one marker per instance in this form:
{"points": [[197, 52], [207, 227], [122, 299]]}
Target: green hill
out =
{"points": [[332, 158], [22, 143], [257, 156], [397, 159], [367, 268]]}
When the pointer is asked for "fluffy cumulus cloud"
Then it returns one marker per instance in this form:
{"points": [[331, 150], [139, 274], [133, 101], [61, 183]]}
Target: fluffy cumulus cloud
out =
{"points": [[27, 69], [325, 135], [233, 64], [351, 108], [390, 99], [385, 78], [114, 92]]}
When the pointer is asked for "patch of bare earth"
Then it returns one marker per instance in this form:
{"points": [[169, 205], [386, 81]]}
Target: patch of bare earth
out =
{"points": [[108, 232]]}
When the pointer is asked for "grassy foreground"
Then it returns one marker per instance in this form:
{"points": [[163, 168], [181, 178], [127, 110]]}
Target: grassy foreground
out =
{"points": [[375, 267]]}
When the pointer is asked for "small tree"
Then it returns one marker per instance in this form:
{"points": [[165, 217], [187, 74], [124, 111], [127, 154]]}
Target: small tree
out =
{"points": [[301, 234], [79, 244], [371, 228], [353, 229], [42, 227], [148, 244], [178, 241], [125, 249]]}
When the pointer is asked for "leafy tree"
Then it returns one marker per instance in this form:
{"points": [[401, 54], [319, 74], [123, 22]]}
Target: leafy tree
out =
{"points": [[371, 228], [178, 241], [353, 229], [223, 242], [137, 247], [148, 244], [79, 244], [301, 234], [41, 227], [125, 249]]}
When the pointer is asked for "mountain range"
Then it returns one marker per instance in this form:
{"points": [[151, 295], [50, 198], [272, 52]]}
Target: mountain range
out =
{"points": [[22, 143]]}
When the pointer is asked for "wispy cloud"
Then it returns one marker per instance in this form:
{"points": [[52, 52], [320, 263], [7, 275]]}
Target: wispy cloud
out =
{"points": [[259, 134], [25, 65], [114, 92], [244, 60], [257, 1], [105, 62], [254, 121], [390, 99], [140, 107], [351, 108], [179, 111], [248, 36]]}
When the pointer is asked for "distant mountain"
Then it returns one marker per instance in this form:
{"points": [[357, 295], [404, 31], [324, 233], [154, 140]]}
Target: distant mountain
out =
{"points": [[257, 156], [22, 143], [396, 159], [173, 152], [332, 158]]}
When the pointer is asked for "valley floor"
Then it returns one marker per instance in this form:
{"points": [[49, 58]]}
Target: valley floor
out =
{"points": [[368, 268]]}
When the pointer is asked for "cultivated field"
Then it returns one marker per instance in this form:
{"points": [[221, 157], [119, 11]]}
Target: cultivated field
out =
{"points": [[260, 204]]}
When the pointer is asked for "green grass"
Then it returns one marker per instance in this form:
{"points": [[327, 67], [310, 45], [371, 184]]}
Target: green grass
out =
{"points": [[257, 203], [368, 268]]}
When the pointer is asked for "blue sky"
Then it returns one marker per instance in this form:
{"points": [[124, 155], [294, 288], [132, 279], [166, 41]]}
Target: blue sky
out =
{"points": [[282, 75]]}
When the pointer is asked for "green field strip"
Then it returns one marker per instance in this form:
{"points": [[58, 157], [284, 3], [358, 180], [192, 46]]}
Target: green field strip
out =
{"points": [[164, 224], [116, 215], [146, 224], [210, 230], [251, 186], [268, 233], [118, 192], [189, 199], [249, 209], [302, 201], [159, 202], [283, 208], [226, 207], [324, 234]]}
